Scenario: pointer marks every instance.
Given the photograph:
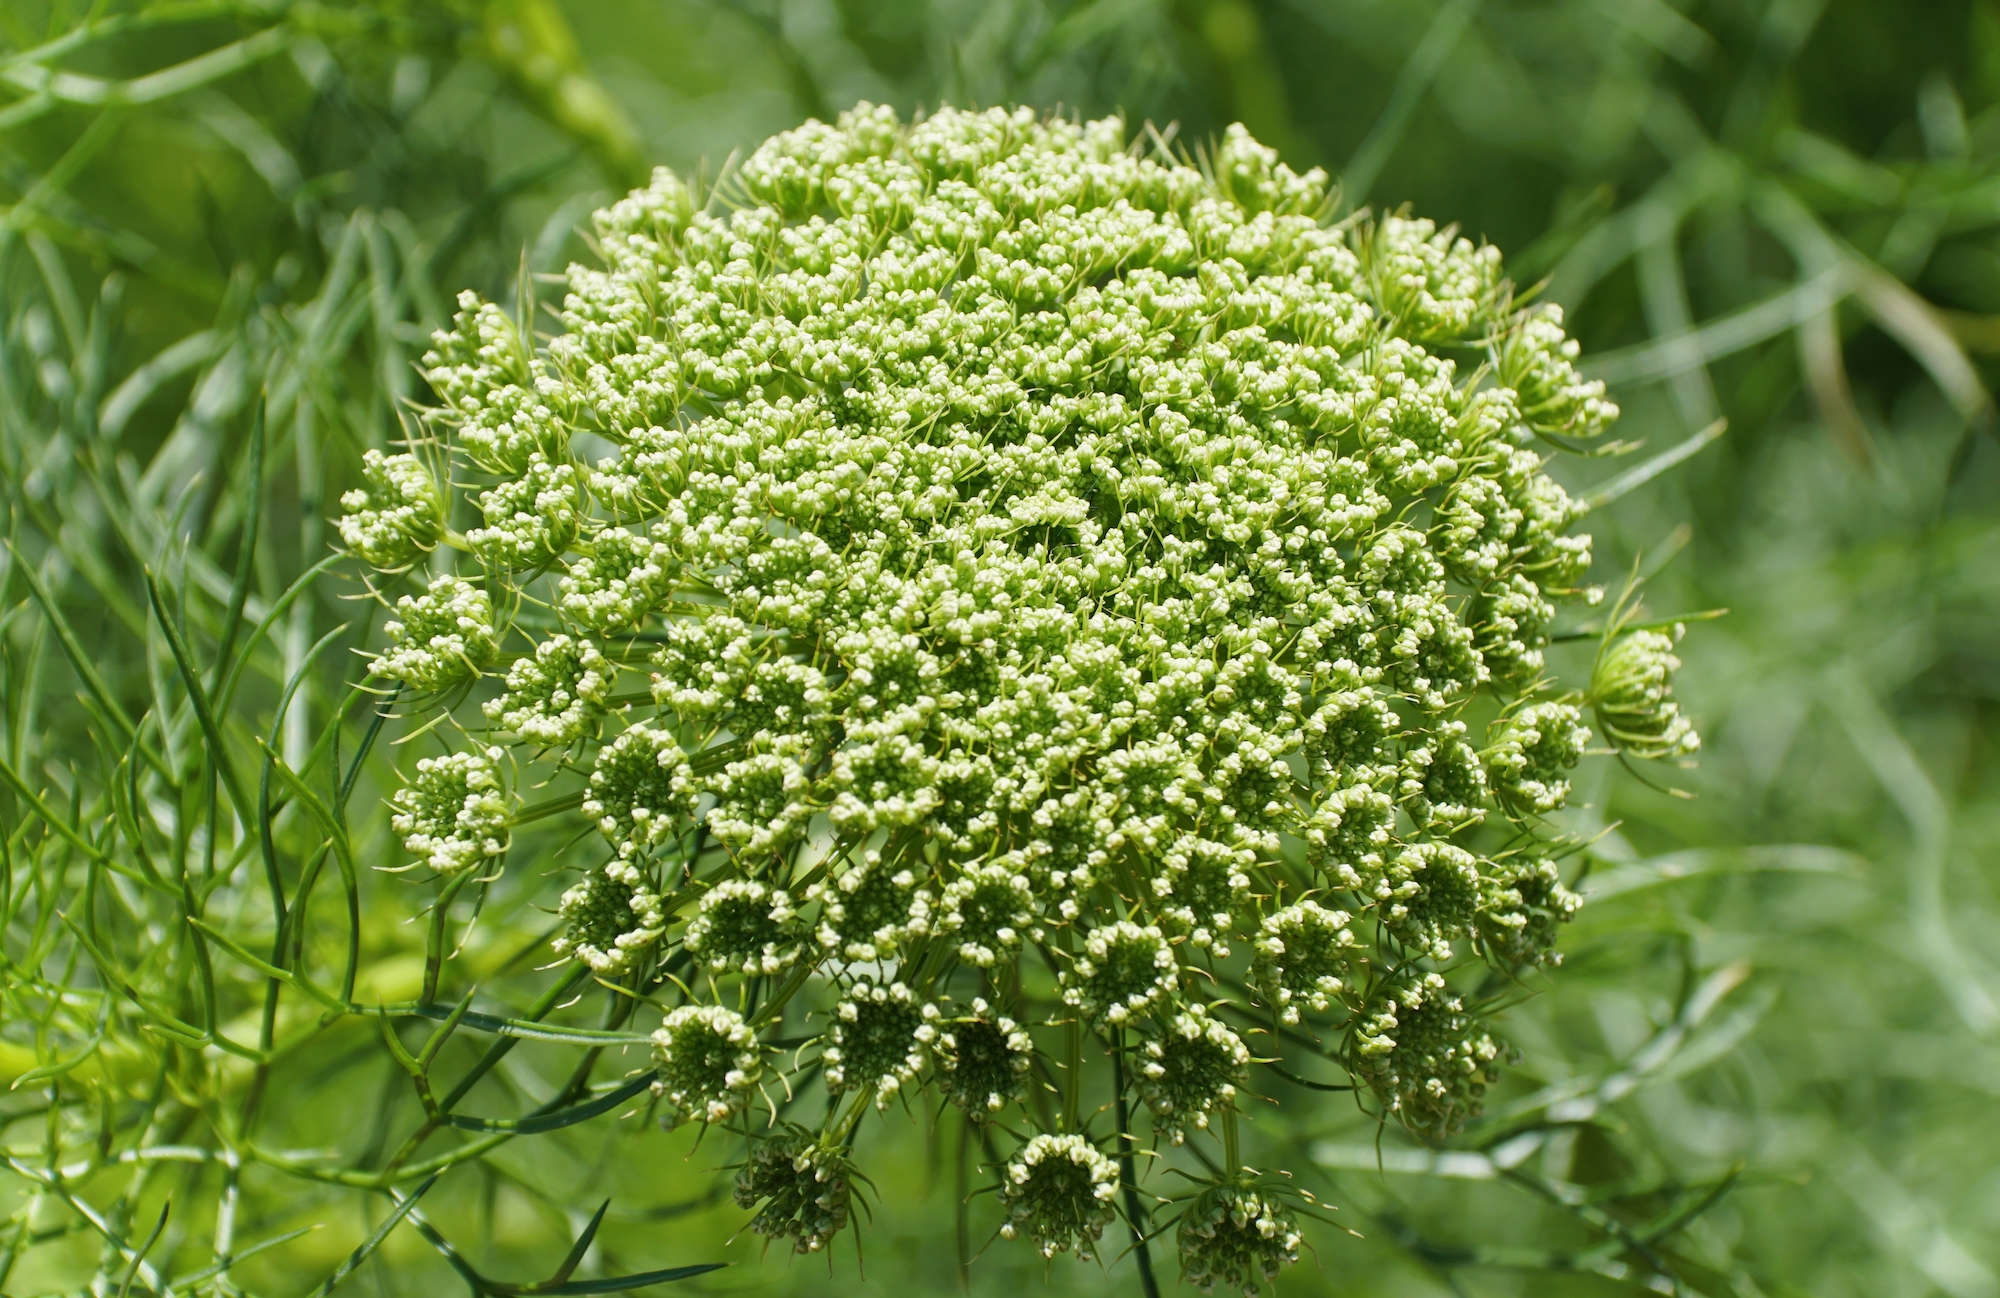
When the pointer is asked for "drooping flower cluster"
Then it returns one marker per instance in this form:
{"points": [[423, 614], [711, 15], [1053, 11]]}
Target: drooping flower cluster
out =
{"points": [[806, 1192], [1236, 1233], [1429, 1060], [1055, 577]]}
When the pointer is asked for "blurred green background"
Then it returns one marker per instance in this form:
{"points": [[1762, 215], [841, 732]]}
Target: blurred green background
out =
{"points": [[1771, 1062]]}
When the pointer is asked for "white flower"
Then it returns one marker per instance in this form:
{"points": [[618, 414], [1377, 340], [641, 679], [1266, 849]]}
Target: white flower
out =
{"points": [[1041, 548]]}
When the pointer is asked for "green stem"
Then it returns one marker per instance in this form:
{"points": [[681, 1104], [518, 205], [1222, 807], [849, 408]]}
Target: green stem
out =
{"points": [[1135, 1208]]}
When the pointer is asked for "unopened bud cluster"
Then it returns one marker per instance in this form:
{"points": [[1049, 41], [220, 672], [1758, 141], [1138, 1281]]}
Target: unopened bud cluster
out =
{"points": [[1045, 595]]}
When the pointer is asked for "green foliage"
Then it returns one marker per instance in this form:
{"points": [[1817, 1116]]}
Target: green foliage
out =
{"points": [[1761, 1067]]}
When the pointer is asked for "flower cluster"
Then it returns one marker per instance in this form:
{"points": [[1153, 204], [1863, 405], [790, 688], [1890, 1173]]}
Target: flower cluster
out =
{"points": [[552, 697], [454, 815], [441, 638], [612, 918], [1631, 691], [1046, 566], [1058, 1189], [398, 517], [1190, 1070], [1236, 1233], [1427, 1058], [1533, 750], [984, 1059], [708, 1061], [807, 1192]]}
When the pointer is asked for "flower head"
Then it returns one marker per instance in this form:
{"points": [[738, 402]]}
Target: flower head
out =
{"points": [[988, 911], [744, 927], [1427, 1060], [1305, 955], [881, 1038], [1201, 886], [398, 517], [709, 1061], [1348, 833], [1525, 905], [1124, 971], [1058, 1189], [641, 789], [1236, 1233], [1189, 1068], [983, 1059], [1529, 760], [1436, 286], [454, 815], [613, 917], [1049, 554], [1427, 894], [1442, 780], [441, 638], [552, 696], [620, 578], [495, 390], [1538, 361], [532, 519], [867, 911]]}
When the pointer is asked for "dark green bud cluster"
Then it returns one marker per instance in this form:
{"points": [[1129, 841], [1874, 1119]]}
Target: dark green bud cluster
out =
{"points": [[801, 1191], [1427, 1059], [1236, 1233]]}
